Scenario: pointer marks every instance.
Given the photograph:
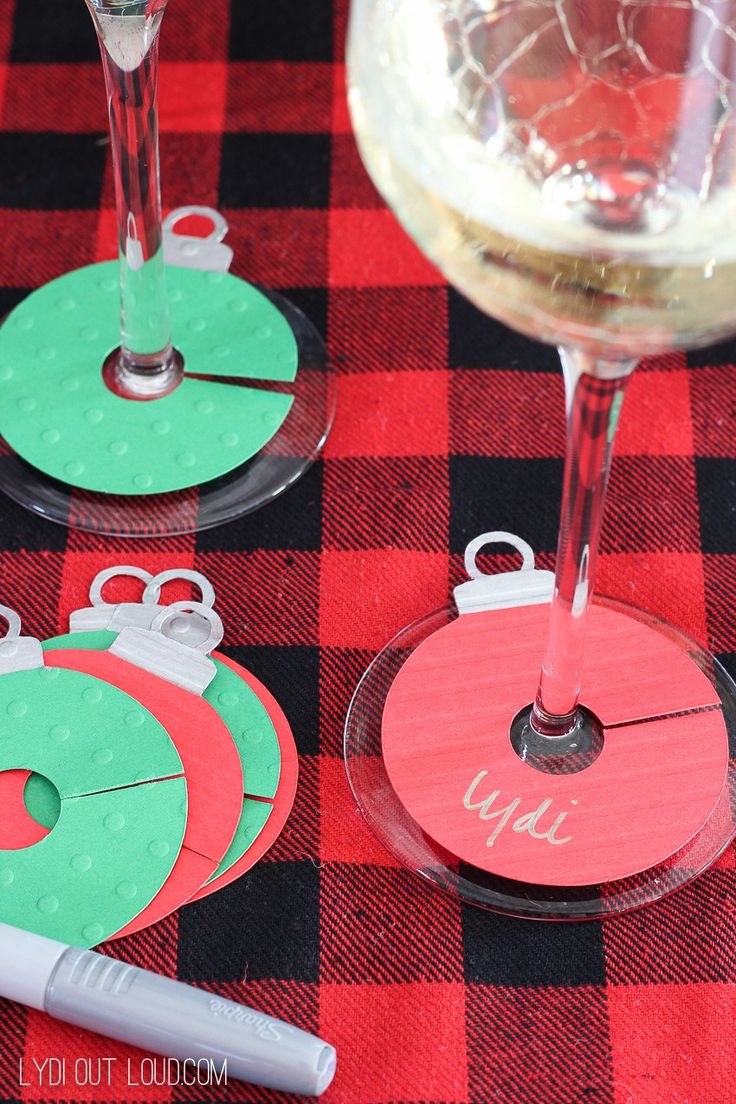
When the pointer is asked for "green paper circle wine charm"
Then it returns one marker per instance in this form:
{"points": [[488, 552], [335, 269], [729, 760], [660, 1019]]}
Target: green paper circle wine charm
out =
{"points": [[120, 792], [258, 727], [57, 413]]}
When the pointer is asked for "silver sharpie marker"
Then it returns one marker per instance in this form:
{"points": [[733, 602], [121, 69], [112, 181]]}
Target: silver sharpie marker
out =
{"points": [[160, 1015]]}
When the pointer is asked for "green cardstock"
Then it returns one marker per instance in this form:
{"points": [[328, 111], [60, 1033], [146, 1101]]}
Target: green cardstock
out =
{"points": [[103, 862], [251, 824], [242, 711], [57, 413], [250, 727], [247, 337], [115, 841]]}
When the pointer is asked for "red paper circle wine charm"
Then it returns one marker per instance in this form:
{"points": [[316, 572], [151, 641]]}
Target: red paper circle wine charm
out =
{"points": [[448, 753]]}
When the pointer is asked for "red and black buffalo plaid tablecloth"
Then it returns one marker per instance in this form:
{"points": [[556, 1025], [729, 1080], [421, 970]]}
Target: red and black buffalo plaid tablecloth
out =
{"points": [[448, 424]]}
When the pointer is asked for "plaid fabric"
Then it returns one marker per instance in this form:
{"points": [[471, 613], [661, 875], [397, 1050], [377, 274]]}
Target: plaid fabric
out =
{"points": [[448, 424]]}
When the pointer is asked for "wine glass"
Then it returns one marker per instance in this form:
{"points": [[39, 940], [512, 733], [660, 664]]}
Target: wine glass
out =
{"points": [[569, 165], [146, 366]]}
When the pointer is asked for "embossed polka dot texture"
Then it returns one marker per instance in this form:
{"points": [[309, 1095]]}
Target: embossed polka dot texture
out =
{"points": [[251, 725], [211, 765], [251, 729], [57, 413], [253, 820], [256, 831], [123, 805]]}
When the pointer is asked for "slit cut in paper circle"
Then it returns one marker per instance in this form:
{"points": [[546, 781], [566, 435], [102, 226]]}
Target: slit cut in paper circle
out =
{"points": [[123, 805], [57, 413], [660, 773], [264, 743], [211, 767]]}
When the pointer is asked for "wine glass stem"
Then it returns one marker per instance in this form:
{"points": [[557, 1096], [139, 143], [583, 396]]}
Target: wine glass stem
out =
{"points": [[594, 391], [128, 36]]}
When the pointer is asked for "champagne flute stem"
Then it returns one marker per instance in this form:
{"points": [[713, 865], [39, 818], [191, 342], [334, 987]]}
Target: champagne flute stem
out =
{"points": [[146, 365], [594, 393]]}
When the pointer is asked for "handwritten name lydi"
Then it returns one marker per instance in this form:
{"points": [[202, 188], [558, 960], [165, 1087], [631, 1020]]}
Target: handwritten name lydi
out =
{"points": [[527, 822]]}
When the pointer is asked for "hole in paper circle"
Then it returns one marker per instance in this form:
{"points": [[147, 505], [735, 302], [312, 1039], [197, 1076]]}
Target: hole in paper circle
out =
{"points": [[42, 801], [114, 382], [30, 806], [568, 754]]}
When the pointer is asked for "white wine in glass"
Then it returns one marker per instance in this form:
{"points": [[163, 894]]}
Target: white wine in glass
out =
{"points": [[614, 230], [570, 166]]}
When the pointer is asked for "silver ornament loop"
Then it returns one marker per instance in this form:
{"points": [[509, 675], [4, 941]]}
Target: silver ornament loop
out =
{"points": [[206, 589], [108, 573]]}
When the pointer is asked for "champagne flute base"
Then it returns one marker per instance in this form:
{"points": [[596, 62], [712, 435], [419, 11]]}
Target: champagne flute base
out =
{"points": [[277, 466]]}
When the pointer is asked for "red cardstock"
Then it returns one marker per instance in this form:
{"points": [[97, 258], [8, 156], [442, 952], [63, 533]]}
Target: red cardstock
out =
{"points": [[447, 750], [19, 829]]}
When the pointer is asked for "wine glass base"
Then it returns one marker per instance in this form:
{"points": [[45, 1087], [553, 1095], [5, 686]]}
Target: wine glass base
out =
{"points": [[390, 820], [275, 468]]}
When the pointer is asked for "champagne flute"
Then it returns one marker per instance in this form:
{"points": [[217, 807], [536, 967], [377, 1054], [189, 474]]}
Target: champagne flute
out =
{"points": [[146, 366], [569, 166]]}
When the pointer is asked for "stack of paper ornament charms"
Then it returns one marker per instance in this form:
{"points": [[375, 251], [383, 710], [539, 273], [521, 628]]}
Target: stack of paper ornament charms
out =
{"points": [[137, 772]]}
